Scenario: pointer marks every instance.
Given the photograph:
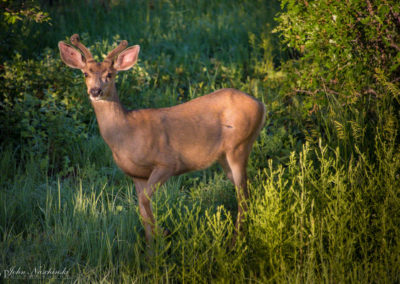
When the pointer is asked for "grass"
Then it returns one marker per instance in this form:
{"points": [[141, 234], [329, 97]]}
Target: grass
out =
{"points": [[314, 217], [312, 221]]}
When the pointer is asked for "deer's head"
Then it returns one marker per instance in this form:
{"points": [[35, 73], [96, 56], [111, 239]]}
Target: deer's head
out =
{"points": [[99, 76]]}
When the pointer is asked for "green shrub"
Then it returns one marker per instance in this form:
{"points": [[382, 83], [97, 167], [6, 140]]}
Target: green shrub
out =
{"points": [[20, 20], [43, 111], [341, 45], [343, 82]]}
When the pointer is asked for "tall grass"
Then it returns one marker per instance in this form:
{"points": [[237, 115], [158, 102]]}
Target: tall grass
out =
{"points": [[315, 216], [315, 220]]}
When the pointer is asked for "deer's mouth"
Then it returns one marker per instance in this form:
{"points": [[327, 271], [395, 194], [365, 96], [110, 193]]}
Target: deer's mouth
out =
{"points": [[96, 98]]}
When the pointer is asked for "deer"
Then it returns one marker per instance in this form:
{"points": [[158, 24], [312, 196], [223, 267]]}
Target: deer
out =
{"points": [[151, 145]]}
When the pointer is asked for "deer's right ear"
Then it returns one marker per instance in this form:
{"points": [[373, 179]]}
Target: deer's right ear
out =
{"points": [[127, 58], [71, 56]]}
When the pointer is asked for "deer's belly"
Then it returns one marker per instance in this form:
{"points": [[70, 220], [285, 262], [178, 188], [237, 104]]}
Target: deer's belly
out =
{"points": [[131, 168]]}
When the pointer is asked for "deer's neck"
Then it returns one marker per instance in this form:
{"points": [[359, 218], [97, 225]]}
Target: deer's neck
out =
{"points": [[112, 119]]}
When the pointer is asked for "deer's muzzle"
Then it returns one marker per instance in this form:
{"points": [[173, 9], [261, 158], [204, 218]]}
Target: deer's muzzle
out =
{"points": [[95, 92]]}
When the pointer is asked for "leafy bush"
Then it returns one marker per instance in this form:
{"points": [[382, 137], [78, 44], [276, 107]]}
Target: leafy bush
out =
{"points": [[19, 21], [344, 81], [42, 107]]}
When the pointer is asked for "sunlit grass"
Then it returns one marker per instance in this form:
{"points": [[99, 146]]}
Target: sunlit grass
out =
{"points": [[302, 225]]}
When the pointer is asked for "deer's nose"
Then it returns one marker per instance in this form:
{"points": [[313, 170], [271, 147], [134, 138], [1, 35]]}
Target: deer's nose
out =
{"points": [[95, 92]]}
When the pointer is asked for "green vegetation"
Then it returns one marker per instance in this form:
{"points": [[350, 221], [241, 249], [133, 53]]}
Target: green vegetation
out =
{"points": [[324, 175]]}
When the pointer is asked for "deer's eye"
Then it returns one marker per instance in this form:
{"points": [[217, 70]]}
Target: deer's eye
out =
{"points": [[109, 75], [85, 74]]}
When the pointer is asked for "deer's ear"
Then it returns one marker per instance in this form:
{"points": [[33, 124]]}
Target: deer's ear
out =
{"points": [[127, 58], [71, 56]]}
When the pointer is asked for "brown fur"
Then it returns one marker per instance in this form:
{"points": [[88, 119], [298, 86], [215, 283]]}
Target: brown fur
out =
{"points": [[151, 145]]}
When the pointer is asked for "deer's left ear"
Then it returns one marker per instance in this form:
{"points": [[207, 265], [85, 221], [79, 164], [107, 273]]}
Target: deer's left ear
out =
{"points": [[127, 58], [71, 56]]}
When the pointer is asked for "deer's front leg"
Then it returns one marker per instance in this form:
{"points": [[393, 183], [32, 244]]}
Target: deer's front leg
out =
{"points": [[144, 190], [144, 206]]}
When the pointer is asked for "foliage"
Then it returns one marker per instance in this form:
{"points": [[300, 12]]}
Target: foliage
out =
{"points": [[339, 41], [343, 49], [41, 109], [19, 20]]}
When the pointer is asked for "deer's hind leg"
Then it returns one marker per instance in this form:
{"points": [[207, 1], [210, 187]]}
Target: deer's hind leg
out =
{"points": [[225, 166], [234, 164]]}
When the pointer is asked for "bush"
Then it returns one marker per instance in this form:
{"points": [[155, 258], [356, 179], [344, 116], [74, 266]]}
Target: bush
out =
{"points": [[19, 21], [344, 82], [42, 107]]}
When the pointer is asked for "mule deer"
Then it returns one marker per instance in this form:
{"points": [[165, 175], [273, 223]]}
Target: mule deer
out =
{"points": [[152, 145]]}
